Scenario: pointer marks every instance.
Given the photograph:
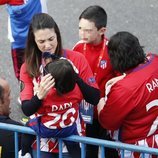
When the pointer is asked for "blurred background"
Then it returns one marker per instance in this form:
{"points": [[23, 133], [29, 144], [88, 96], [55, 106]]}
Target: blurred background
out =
{"points": [[139, 17]]}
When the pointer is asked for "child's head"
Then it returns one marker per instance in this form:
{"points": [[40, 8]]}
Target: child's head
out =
{"points": [[64, 75], [92, 24], [125, 51]]}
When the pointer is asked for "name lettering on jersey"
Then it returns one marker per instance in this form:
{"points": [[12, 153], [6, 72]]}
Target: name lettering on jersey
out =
{"points": [[152, 85], [61, 106]]}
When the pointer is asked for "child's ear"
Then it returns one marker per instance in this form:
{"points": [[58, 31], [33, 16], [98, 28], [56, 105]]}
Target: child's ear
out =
{"points": [[102, 31]]}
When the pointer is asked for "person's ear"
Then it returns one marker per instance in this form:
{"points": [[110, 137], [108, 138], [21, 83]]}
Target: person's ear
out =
{"points": [[102, 31]]}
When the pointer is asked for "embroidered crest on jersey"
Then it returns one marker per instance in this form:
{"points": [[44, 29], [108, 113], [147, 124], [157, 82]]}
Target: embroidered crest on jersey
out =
{"points": [[103, 64]]}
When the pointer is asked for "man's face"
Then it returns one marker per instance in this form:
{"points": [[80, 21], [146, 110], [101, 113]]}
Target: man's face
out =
{"points": [[88, 32], [5, 105]]}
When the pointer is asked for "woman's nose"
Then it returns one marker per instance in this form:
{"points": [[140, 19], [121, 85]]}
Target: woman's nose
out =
{"points": [[47, 45]]}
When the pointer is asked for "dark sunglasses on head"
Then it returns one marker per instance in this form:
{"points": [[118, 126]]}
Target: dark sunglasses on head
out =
{"points": [[46, 55]]}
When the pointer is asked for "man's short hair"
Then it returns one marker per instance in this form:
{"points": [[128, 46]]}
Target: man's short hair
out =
{"points": [[95, 14]]}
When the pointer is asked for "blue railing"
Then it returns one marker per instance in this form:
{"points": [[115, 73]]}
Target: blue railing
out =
{"points": [[83, 140]]}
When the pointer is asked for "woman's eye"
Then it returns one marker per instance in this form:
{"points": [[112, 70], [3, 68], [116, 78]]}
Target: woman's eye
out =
{"points": [[52, 38], [41, 42]]}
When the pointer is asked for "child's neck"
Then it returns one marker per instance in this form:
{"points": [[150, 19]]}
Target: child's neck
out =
{"points": [[97, 41]]}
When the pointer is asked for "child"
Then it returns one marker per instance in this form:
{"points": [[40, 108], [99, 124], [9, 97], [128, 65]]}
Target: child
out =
{"points": [[93, 45], [59, 113]]}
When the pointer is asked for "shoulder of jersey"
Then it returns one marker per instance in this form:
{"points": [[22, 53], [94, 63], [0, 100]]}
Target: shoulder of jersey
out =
{"points": [[79, 42]]}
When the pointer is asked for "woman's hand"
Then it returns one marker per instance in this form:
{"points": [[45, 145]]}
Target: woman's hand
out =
{"points": [[47, 82]]}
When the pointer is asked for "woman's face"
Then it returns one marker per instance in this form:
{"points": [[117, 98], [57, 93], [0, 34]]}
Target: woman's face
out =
{"points": [[46, 40]]}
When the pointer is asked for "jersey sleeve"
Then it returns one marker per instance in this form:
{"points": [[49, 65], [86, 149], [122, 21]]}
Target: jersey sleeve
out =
{"points": [[118, 105], [26, 84], [78, 47], [3, 2]]}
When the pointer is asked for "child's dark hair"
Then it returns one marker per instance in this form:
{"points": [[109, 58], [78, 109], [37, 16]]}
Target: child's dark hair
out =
{"points": [[64, 75], [125, 51], [95, 14]]}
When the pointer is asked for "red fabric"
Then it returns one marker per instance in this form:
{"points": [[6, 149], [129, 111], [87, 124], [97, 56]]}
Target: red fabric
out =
{"points": [[3, 2], [12, 2], [64, 109]]}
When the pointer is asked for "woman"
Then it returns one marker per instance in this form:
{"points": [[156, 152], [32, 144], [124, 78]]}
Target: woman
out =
{"points": [[62, 102], [44, 36]]}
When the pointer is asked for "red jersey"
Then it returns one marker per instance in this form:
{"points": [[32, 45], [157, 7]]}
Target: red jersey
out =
{"points": [[60, 111], [103, 69], [131, 109], [54, 108]]}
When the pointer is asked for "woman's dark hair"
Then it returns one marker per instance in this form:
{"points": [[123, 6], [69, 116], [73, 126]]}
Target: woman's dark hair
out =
{"points": [[95, 14], [125, 51], [64, 75], [33, 55]]}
